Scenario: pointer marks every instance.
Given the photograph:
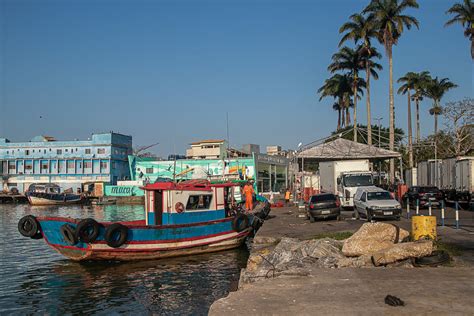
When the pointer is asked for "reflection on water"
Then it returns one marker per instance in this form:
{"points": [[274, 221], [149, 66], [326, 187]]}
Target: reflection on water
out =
{"points": [[35, 279]]}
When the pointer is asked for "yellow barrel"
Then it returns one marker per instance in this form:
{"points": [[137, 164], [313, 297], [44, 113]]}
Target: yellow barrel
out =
{"points": [[423, 227]]}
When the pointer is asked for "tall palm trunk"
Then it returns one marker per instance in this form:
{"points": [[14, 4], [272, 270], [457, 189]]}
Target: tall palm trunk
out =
{"points": [[348, 117], [343, 118], [410, 144], [339, 119], [436, 123], [369, 124], [417, 100], [355, 107], [391, 115]]}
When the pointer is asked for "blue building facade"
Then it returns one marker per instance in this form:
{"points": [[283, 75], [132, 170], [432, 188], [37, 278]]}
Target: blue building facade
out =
{"points": [[70, 164]]}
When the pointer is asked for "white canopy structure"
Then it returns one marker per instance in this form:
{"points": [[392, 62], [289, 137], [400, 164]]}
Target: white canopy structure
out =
{"points": [[343, 149]]}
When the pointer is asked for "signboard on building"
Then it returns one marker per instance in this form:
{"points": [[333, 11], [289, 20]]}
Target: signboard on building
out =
{"points": [[123, 190]]}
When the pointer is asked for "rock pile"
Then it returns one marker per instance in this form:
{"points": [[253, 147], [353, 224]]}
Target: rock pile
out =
{"points": [[374, 244]]}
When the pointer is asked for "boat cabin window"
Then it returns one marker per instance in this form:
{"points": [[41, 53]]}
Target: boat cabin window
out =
{"points": [[199, 202]]}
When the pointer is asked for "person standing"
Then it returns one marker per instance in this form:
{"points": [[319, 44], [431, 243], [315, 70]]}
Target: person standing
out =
{"points": [[248, 191], [287, 196]]}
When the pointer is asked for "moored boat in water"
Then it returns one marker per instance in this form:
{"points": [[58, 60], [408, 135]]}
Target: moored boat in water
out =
{"points": [[50, 194], [184, 218]]}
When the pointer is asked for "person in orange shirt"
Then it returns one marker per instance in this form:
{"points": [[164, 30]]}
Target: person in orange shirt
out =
{"points": [[248, 191]]}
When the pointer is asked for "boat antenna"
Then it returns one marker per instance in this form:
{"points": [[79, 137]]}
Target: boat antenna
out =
{"points": [[228, 139], [174, 164]]}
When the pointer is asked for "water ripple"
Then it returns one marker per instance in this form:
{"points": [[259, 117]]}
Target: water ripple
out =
{"points": [[35, 279]]}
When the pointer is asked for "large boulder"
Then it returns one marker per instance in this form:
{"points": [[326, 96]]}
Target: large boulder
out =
{"points": [[373, 237], [403, 251]]}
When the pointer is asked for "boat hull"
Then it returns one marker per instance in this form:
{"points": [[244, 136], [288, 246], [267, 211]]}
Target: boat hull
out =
{"points": [[148, 242], [50, 200]]}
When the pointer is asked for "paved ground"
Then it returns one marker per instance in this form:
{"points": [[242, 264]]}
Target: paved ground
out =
{"points": [[446, 290], [427, 291]]}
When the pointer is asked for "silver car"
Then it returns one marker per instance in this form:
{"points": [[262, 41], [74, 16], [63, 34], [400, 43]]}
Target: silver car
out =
{"points": [[374, 203]]}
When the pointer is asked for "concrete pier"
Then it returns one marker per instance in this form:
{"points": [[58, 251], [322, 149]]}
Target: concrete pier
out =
{"points": [[340, 291]]}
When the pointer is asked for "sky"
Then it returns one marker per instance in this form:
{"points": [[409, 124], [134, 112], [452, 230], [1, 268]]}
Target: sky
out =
{"points": [[170, 71]]}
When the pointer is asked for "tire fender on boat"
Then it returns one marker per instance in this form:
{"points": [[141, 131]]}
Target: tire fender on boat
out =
{"points": [[240, 222], [179, 207], [87, 230], [116, 235], [69, 234], [28, 226]]}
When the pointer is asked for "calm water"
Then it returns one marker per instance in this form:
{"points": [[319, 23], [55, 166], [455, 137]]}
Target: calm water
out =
{"points": [[36, 279]]}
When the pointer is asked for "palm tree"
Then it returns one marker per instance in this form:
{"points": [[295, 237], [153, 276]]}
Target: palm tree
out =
{"points": [[337, 107], [419, 84], [339, 87], [362, 29], [464, 15], [390, 22], [435, 90], [408, 84], [349, 59]]}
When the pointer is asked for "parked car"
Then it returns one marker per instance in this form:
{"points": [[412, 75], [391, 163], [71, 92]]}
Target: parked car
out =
{"points": [[322, 206], [425, 194], [375, 202]]}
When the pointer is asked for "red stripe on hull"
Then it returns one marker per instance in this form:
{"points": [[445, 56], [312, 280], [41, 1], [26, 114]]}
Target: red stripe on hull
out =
{"points": [[88, 253]]}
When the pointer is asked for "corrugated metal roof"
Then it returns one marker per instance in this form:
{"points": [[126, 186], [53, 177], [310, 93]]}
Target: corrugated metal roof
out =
{"points": [[342, 149]]}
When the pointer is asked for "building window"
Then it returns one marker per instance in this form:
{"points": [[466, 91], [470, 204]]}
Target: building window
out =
{"points": [[44, 165], [199, 202], [87, 164], [27, 152], [59, 151], [103, 165], [149, 170], [44, 151], [28, 166], [88, 151], [11, 165], [7, 152], [33, 150], [70, 164], [101, 150], [65, 150], [50, 149]]}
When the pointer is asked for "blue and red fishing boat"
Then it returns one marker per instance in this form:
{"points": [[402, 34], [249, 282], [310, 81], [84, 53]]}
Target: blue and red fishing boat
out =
{"points": [[184, 218]]}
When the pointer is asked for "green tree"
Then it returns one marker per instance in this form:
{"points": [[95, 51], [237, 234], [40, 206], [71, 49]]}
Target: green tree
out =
{"points": [[464, 15], [435, 89], [351, 60], [338, 87], [390, 22], [362, 29]]}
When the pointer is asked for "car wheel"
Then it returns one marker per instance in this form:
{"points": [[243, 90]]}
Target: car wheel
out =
{"points": [[356, 213], [311, 219], [398, 218], [369, 216]]}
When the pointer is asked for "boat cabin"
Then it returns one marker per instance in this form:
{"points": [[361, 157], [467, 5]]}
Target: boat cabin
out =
{"points": [[193, 201], [44, 188]]}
